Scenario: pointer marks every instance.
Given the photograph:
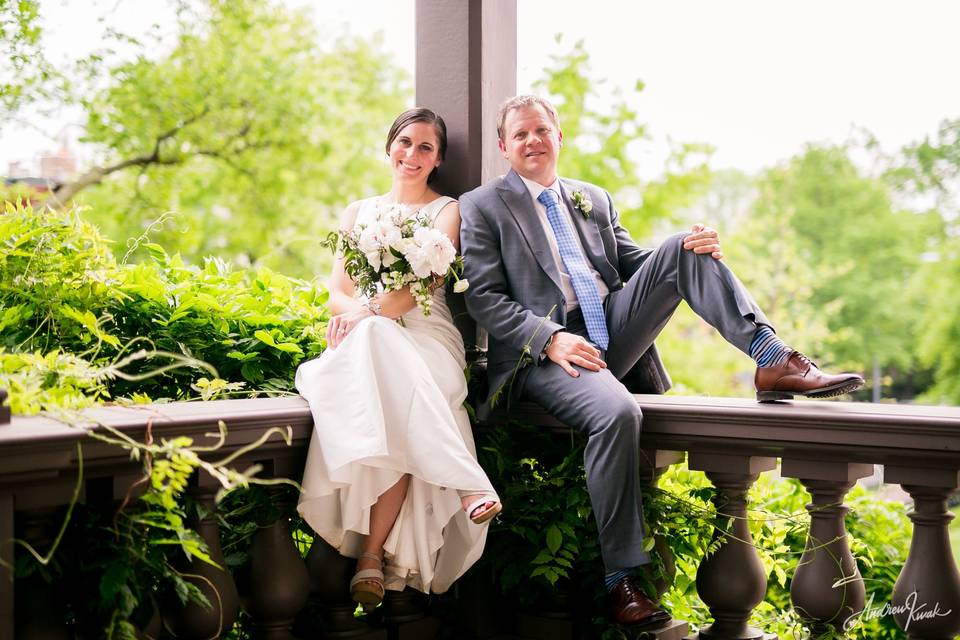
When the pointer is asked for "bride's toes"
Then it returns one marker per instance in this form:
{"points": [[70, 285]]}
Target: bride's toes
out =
{"points": [[481, 509], [484, 508]]}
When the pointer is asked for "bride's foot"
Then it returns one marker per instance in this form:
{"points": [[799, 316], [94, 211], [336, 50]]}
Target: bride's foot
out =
{"points": [[481, 507], [366, 587]]}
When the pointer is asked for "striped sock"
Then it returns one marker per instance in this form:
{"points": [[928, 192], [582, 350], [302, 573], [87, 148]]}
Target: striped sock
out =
{"points": [[767, 349], [612, 578]]}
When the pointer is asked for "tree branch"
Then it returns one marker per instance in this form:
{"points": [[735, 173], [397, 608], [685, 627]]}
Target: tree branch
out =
{"points": [[62, 194]]}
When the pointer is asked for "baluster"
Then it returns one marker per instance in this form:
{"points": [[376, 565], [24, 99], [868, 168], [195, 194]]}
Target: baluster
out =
{"points": [[279, 583], [6, 571], [195, 620], [406, 616], [732, 581], [827, 589], [926, 598], [330, 575], [40, 610]]}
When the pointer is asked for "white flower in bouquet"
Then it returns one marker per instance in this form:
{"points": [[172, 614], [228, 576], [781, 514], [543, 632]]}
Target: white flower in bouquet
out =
{"points": [[373, 257], [394, 250], [379, 236], [432, 254]]}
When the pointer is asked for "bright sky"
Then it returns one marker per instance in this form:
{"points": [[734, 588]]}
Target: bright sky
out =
{"points": [[755, 78]]}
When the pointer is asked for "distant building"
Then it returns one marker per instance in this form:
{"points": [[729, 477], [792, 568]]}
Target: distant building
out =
{"points": [[19, 169], [58, 167]]}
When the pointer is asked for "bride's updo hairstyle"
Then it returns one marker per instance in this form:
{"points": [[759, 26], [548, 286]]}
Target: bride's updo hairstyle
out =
{"points": [[421, 115]]}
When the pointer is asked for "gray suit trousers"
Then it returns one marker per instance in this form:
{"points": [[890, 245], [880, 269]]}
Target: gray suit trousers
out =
{"points": [[599, 406]]}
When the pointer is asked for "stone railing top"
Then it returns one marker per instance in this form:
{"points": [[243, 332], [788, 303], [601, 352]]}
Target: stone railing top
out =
{"points": [[822, 430], [906, 435]]}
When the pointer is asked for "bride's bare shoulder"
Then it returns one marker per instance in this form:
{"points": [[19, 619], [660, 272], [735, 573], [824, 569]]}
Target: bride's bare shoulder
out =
{"points": [[348, 217]]}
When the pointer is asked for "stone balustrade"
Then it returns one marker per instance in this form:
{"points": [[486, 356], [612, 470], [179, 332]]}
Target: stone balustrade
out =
{"points": [[826, 445]]}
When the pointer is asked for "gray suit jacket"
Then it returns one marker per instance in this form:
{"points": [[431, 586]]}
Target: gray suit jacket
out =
{"points": [[515, 289]]}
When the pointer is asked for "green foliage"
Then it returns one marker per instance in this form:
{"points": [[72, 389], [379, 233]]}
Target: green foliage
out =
{"points": [[70, 317], [940, 340], [549, 524], [22, 67], [843, 227], [931, 170], [88, 326]]}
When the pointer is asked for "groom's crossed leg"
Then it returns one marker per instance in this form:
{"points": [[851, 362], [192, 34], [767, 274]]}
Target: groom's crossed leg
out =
{"points": [[638, 312]]}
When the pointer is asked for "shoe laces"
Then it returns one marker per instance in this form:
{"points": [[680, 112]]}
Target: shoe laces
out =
{"points": [[630, 587], [804, 360]]}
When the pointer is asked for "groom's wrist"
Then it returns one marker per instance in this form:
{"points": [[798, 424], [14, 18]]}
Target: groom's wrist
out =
{"points": [[547, 344]]}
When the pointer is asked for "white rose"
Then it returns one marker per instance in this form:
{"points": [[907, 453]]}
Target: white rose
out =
{"points": [[384, 233], [437, 248], [367, 242], [419, 259]]}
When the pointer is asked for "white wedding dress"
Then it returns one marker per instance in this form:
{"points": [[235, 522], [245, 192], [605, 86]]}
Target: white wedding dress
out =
{"points": [[389, 401]]}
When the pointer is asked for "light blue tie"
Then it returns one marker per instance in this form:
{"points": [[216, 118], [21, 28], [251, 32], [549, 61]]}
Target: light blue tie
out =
{"points": [[584, 284]]}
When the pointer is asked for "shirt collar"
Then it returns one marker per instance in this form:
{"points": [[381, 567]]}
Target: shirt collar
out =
{"points": [[535, 188]]}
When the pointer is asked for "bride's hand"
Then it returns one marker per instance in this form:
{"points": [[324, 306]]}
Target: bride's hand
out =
{"points": [[340, 326]]}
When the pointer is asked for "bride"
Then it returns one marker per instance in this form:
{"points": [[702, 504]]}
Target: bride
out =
{"points": [[392, 477]]}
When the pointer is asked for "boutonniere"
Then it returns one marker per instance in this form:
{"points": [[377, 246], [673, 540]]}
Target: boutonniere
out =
{"points": [[582, 202]]}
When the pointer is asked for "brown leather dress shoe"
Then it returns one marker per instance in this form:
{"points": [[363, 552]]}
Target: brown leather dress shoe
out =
{"points": [[798, 376], [629, 606]]}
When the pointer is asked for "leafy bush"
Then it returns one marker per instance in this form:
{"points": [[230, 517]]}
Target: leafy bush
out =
{"points": [[98, 329], [78, 328]]}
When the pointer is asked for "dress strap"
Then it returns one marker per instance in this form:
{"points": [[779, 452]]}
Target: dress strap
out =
{"points": [[433, 209]]}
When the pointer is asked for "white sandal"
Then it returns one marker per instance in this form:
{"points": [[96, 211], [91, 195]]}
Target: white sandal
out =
{"points": [[486, 515], [366, 586]]}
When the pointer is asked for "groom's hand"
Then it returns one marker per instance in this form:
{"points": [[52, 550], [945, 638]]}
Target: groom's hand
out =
{"points": [[568, 349], [703, 240]]}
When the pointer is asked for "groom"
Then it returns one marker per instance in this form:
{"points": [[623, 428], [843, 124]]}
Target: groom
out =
{"points": [[571, 303]]}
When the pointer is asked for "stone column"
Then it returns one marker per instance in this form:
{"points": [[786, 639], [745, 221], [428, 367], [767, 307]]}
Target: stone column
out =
{"points": [[732, 580], [926, 598], [279, 583], [40, 609], [827, 589], [6, 572], [194, 620]]}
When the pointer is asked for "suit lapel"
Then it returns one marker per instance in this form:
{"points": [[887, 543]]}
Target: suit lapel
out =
{"points": [[515, 195], [589, 234]]}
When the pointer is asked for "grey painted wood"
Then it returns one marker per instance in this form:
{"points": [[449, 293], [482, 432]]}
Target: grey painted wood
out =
{"points": [[466, 67]]}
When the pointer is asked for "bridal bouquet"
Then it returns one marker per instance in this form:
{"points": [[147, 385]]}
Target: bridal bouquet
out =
{"points": [[394, 250]]}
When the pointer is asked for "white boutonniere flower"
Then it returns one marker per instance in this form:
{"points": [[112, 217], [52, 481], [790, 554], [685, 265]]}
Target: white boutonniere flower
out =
{"points": [[582, 202]]}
